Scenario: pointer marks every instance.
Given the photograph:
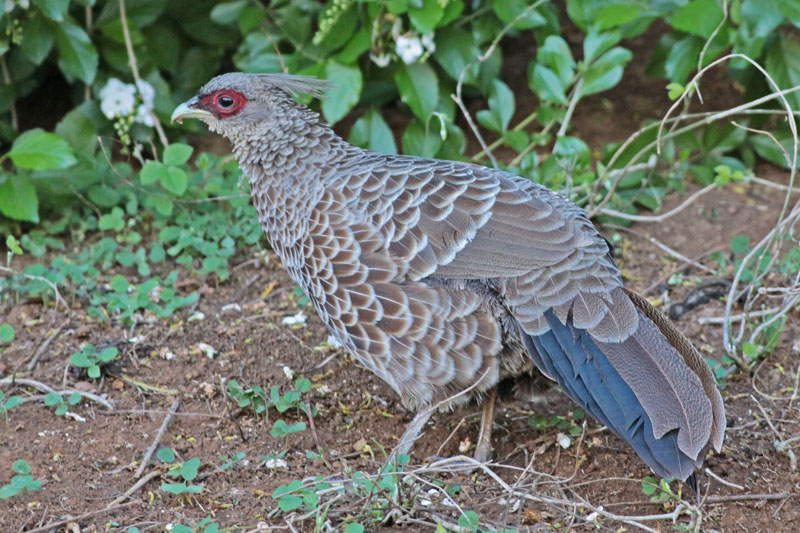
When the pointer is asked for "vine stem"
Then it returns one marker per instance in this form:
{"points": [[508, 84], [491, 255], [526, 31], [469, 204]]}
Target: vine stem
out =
{"points": [[135, 69]]}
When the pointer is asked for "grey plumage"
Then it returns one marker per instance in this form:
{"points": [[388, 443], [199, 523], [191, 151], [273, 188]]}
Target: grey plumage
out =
{"points": [[443, 276]]}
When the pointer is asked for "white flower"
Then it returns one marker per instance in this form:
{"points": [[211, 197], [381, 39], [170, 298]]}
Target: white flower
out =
{"points": [[24, 4], [409, 48], [298, 319], [563, 441], [117, 99], [275, 463], [381, 60], [288, 372], [333, 342], [427, 42], [147, 93], [144, 115]]}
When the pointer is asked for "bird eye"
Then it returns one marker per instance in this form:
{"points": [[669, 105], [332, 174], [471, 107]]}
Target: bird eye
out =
{"points": [[225, 101]]}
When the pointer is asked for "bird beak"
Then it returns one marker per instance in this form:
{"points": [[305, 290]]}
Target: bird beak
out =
{"points": [[189, 109]]}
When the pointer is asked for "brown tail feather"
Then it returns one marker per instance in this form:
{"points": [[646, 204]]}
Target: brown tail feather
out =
{"points": [[693, 359]]}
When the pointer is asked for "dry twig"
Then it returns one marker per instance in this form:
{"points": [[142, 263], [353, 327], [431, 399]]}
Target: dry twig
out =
{"points": [[152, 448]]}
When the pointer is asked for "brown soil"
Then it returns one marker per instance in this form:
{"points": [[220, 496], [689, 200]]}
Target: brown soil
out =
{"points": [[86, 464]]}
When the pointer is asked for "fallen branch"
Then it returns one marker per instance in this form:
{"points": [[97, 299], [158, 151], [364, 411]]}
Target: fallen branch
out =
{"points": [[45, 344], [747, 497], [61, 523], [48, 389], [149, 452], [136, 486]]}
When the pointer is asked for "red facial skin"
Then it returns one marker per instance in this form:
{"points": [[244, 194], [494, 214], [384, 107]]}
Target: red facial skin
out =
{"points": [[214, 103]]}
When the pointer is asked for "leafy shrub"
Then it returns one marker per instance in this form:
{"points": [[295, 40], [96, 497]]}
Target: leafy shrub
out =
{"points": [[416, 53]]}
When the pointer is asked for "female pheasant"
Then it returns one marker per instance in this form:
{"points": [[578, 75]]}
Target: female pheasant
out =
{"points": [[444, 277]]}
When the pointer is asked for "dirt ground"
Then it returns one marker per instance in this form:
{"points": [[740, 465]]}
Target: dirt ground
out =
{"points": [[89, 460]]}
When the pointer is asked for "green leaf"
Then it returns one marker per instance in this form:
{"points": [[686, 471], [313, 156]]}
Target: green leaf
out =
{"points": [[766, 147], [6, 333], [344, 92], [21, 466], [37, 39], [783, 64], [77, 56], [152, 171], [419, 88], [698, 17], [39, 150], [177, 154], [508, 11], [675, 90], [501, 102], [227, 12], [682, 58], [119, 283], [104, 196], [166, 455], [469, 520], [425, 14], [420, 141], [80, 360], [94, 371], [596, 43], [78, 130], [649, 485], [290, 502], [189, 469], [547, 85], [53, 9], [354, 528], [455, 49], [616, 15], [371, 132], [556, 55], [740, 244], [107, 354], [174, 180], [12, 402], [174, 488], [606, 71], [52, 398], [13, 245], [18, 198]]}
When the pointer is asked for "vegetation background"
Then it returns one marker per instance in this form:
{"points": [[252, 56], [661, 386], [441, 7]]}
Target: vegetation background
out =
{"points": [[118, 222]]}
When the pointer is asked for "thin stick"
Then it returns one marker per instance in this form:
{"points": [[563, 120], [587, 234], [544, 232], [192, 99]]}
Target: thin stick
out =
{"points": [[149, 452], [39, 278], [663, 216], [7, 80], [136, 486], [45, 344], [661, 245], [736, 318], [726, 483], [61, 523], [745, 497], [47, 388], [135, 68], [312, 426]]}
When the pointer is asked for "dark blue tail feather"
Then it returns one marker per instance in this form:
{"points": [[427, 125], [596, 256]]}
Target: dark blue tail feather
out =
{"points": [[569, 355]]}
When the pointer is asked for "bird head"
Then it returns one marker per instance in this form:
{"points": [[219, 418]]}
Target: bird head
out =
{"points": [[237, 103]]}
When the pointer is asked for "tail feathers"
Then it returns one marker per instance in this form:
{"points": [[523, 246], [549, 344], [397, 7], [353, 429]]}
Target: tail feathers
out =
{"points": [[695, 362], [574, 359]]}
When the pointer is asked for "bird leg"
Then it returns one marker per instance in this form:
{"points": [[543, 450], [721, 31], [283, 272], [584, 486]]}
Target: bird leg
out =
{"points": [[412, 432], [483, 448]]}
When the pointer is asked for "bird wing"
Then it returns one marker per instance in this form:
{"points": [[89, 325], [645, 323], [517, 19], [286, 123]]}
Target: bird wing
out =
{"points": [[448, 222]]}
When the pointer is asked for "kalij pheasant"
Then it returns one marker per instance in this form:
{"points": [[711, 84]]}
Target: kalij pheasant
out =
{"points": [[444, 277]]}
